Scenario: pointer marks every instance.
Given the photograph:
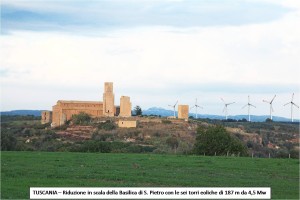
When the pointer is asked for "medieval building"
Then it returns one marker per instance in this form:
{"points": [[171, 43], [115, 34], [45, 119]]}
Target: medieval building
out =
{"points": [[64, 110]]}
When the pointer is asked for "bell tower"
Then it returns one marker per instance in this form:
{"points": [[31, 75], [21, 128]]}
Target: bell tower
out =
{"points": [[108, 100]]}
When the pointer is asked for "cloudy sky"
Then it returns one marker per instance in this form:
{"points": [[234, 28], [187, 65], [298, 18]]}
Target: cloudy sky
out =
{"points": [[155, 51]]}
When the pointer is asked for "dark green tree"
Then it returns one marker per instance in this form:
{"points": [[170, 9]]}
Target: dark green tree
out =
{"points": [[8, 142], [81, 118], [138, 110], [215, 139], [173, 143]]}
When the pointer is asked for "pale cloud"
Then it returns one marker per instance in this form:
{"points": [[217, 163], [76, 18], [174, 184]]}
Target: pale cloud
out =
{"points": [[114, 14], [156, 65]]}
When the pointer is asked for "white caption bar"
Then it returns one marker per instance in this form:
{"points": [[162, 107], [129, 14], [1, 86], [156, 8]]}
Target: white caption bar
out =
{"points": [[150, 193]]}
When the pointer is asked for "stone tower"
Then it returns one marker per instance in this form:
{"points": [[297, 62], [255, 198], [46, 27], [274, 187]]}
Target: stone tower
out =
{"points": [[183, 112], [125, 106], [46, 117], [108, 100]]}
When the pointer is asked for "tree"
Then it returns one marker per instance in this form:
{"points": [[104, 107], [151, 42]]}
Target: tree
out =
{"points": [[8, 142], [173, 143], [215, 139], [81, 118], [138, 110]]}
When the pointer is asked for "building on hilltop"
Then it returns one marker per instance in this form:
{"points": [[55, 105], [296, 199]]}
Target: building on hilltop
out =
{"points": [[64, 110], [108, 100], [125, 106], [183, 112], [46, 117]]}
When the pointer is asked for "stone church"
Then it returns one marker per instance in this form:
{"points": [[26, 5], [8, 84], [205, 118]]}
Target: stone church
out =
{"points": [[64, 110]]}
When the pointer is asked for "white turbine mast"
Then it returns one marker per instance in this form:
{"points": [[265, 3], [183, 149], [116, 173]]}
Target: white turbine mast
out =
{"points": [[249, 105], [271, 106], [174, 107], [292, 104], [196, 106], [225, 110]]}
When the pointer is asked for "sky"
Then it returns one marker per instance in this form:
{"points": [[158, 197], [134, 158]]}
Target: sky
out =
{"points": [[155, 51]]}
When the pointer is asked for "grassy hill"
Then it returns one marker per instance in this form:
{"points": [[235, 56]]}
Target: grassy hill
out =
{"points": [[21, 170], [25, 133]]}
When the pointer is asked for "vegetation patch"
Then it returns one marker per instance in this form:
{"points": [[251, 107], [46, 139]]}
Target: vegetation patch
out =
{"points": [[215, 140], [22, 170]]}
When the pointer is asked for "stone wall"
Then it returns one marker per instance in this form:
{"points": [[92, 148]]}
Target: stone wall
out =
{"points": [[127, 123]]}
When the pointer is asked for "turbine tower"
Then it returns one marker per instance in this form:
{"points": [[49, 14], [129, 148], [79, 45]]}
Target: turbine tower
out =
{"points": [[174, 107], [271, 106], [249, 105], [225, 107], [292, 104], [196, 106]]}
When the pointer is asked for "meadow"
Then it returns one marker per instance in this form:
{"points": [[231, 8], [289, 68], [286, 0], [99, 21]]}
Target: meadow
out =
{"points": [[22, 170]]}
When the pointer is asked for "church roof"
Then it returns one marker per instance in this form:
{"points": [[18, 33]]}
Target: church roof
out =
{"points": [[75, 101]]}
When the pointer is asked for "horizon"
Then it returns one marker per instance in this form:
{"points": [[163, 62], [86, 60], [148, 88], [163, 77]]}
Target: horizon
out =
{"points": [[192, 114], [155, 52]]}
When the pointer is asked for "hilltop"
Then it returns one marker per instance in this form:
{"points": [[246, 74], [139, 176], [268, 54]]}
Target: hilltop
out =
{"points": [[153, 134]]}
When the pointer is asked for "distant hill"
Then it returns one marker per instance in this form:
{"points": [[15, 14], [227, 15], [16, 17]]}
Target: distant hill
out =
{"points": [[255, 118], [164, 113], [22, 112]]}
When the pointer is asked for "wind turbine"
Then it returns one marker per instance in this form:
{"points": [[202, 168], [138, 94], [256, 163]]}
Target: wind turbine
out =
{"points": [[196, 106], [225, 107], [174, 107], [271, 107], [249, 104], [292, 104]]}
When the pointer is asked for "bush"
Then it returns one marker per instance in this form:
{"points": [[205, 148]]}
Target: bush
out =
{"points": [[8, 142], [166, 121], [108, 125], [215, 139], [95, 146], [282, 153], [81, 118], [172, 142]]}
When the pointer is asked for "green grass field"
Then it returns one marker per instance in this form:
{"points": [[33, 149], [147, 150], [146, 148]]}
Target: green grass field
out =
{"points": [[21, 170]]}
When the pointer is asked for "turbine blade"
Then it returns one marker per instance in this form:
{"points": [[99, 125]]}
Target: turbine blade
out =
{"points": [[244, 106], [295, 104], [176, 103], [273, 99], [286, 103], [293, 97], [252, 105], [230, 103], [248, 99], [222, 99], [192, 107], [266, 101]]}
